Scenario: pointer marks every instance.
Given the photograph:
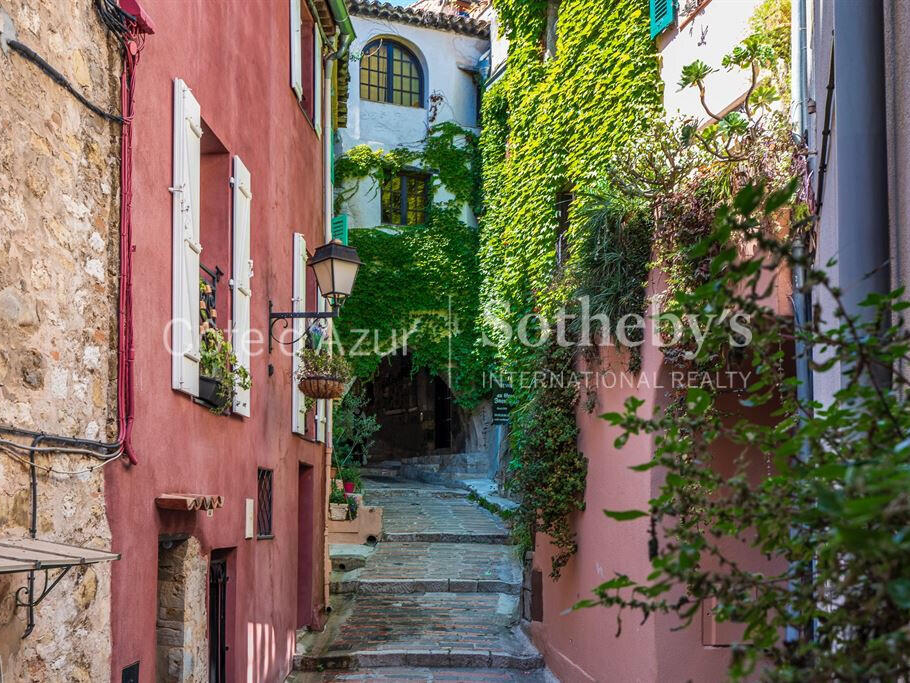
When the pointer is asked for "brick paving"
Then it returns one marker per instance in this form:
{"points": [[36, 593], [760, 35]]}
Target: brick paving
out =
{"points": [[437, 600]]}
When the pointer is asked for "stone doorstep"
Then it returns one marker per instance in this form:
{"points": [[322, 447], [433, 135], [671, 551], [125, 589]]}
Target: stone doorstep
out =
{"points": [[355, 584], [468, 659], [445, 537], [409, 492]]}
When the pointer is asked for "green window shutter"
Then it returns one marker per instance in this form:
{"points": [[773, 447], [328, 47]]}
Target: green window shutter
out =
{"points": [[340, 228], [663, 12]]}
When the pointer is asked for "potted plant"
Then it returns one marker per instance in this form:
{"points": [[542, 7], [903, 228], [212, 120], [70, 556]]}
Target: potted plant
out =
{"points": [[320, 375], [338, 505], [219, 372], [349, 473]]}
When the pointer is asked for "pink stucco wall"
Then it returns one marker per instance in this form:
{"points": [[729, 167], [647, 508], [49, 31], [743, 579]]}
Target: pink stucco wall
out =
{"points": [[582, 646], [233, 55]]}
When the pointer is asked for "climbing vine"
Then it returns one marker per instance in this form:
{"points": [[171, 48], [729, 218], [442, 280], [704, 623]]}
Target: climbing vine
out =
{"points": [[420, 283], [550, 127]]}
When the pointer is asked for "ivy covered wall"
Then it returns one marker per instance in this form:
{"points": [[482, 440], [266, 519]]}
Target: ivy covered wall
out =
{"points": [[419, 285], [550, 126]]}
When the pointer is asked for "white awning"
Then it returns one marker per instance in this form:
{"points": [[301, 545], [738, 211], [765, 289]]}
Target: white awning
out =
{"points": [[30, 554]]}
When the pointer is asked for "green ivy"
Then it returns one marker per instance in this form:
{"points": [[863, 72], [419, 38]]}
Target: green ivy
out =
{"points": [[551, 126], [419, 282]]}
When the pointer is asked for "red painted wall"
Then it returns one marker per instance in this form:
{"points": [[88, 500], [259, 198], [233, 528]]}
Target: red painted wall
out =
{"points": [[234, 56]]}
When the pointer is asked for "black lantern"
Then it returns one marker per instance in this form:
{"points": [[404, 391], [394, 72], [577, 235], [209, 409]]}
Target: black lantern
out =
{"points": [[335, 265]]}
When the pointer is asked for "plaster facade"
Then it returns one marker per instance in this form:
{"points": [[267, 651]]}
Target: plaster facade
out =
{"points": [[447, 60], [59, 217], [707, 33]]}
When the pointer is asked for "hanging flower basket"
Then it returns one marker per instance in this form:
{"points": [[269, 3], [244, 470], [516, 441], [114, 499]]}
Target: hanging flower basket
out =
{"points": [[319, 386], [320, 375]]}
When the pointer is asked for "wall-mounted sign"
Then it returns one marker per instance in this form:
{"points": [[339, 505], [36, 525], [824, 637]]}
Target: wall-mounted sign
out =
{"points": [[501, 405]]}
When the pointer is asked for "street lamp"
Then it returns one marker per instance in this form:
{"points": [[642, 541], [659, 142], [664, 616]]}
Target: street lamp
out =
{"points": [[335, 265]]}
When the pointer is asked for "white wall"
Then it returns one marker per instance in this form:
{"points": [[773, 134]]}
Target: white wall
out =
{"points": [[386, 126], [710, 35]]}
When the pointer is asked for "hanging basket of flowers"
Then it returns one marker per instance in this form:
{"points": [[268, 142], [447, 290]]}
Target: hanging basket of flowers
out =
{"points": [[320, 375]]}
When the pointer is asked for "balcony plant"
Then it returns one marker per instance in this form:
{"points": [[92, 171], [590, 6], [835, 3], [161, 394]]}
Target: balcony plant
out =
{"points": [[219, 372], [349, 473], [320, 375]]}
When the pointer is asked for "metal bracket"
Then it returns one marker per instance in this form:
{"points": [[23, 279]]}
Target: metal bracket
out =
{"points": [[295, 315], [31, 602]]}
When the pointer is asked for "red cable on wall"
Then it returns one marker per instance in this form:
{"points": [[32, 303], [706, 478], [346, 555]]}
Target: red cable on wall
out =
{"points": [[133, 43]]}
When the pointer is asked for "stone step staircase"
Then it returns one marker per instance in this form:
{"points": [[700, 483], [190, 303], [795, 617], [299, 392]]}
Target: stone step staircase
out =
{"points": [[436, 599], [448, 469]]}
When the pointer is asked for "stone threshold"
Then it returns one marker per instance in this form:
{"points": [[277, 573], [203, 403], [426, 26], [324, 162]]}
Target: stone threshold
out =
{"points": [[406, 586], [469, 659], [445, 537]]}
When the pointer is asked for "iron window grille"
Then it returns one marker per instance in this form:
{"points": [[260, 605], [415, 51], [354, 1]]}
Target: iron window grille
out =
{"points": [[264, 504], [563, 203], [404, 199], [390, 73]]}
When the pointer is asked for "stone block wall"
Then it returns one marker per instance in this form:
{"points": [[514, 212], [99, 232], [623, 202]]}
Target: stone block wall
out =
{"points": [[59, 218], [182, 625]]}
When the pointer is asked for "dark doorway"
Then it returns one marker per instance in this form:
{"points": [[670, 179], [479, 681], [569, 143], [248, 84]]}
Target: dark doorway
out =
{"points": [[442, 403], [415, 410], [218, 580], [306, 522]]}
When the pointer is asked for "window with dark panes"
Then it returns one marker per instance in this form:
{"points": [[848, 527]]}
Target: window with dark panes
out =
{"points": [[404, 199], [563, 203], [389, 72], [264, 504]]}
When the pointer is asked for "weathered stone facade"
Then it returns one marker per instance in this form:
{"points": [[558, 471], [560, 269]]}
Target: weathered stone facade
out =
{"points": [[59, 217], [182, 644]]}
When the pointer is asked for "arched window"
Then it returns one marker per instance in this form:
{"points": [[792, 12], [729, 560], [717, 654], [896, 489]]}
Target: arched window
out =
{"points": [[389, 72]]}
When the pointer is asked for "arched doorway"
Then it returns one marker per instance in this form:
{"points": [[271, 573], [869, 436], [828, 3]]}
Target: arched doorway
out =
{"points": [[416, 412]]}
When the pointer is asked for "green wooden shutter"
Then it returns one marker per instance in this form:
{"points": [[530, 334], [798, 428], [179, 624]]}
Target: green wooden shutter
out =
{"points": [[662, 15], [340, 228]]}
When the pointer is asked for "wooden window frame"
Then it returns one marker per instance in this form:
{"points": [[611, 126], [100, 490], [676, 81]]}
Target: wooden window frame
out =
{"points": [[402, 201], [388, 97]]}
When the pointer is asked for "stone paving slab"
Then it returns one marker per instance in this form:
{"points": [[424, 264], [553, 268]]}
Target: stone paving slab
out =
{"points": [[427, 567], [474, 630], [408, 675], [440, 520]]}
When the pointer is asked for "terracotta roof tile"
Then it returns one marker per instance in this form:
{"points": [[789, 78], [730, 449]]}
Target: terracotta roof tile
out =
{"points": [[419, 17]]}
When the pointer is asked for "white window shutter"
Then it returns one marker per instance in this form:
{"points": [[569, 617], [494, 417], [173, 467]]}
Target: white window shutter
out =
{"points": [[321, 403], [317, 79], [242, 273], [296, 49], [186, 246], [298, 407]]}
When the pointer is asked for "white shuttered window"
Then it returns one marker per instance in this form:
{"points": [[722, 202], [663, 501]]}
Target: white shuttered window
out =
{"points": [[186, 246], [298, 407], [242, 273], [296, 47]]}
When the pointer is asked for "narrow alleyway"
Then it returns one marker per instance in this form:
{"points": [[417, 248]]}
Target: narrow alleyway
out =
{"points": [[436, 599]]}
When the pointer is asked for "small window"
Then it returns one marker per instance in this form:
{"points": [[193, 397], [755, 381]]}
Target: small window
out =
{"points": [[390, 73], [563, 203], [264, 506], [404, 199]]}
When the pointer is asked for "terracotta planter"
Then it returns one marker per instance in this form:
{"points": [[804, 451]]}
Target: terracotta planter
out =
{"points": [[338, 512], [321, 387], [334, 473], [349, 486]]}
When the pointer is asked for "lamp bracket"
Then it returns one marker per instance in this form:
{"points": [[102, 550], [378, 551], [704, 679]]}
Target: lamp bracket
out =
{"points": [[274, 317]]}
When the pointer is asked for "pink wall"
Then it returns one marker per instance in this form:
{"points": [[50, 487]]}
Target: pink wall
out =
{"points": [[582, 646], [233, 55]]}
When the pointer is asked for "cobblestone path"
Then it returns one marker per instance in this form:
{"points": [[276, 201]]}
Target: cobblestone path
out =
{"points": [[435, 600]]}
